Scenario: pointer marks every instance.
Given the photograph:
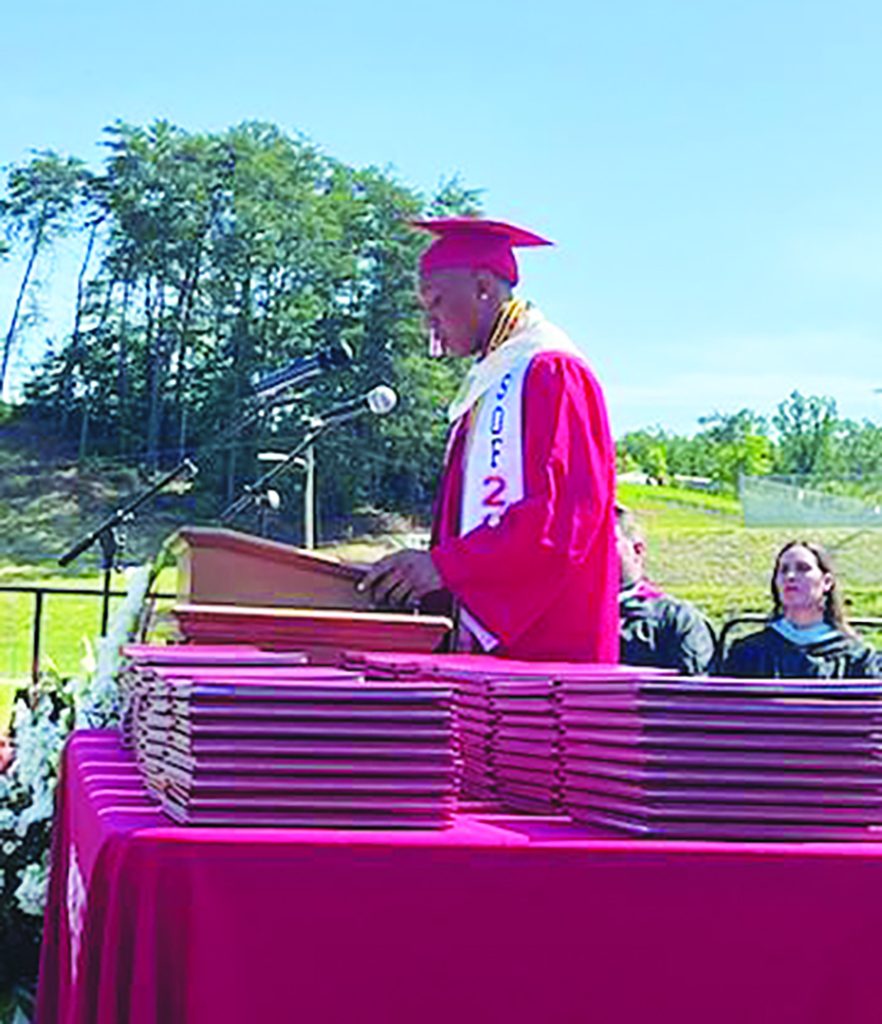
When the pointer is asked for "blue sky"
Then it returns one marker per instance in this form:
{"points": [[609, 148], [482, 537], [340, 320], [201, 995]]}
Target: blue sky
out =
{"points": [[711, 172]]}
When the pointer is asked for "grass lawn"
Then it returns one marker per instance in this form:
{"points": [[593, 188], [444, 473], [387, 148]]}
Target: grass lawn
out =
{"points": [[70, 622], [7, 691]]}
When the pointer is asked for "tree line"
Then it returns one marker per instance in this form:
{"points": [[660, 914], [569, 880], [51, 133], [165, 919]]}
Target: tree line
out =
{"points": [[805, 437], [205, 259]]}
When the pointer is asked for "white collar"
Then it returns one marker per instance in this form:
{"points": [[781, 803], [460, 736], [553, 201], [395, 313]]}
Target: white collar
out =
{"points": [[533, 334]]}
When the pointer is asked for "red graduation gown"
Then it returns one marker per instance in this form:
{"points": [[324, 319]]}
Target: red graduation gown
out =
{"points": [[544, 581]]}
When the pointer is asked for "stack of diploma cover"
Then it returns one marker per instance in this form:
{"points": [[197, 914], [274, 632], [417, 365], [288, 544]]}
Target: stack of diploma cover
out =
{"points": [[473, 718], [525, 745], [142, 661], [471, 676], [476, 724], [156, 694], [305, 751], [392, 665], [506, 718], [725, 759]]}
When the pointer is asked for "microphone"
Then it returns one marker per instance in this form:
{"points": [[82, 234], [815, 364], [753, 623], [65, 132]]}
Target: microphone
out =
{"points": [[378, 401], [301, 369]]}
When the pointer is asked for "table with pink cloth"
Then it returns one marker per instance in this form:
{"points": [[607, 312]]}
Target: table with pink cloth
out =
{"points": [[497, 919]]}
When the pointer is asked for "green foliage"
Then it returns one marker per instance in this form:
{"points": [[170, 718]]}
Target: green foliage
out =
{"points": [[806, 427], [808, 440], [646, 450], [26, 803], [209, 257], [41, 203], [733, 445], [41, 192], [453, 199]]}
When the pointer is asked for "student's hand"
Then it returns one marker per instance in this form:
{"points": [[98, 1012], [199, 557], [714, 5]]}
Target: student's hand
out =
{"points": [[401, 579]]}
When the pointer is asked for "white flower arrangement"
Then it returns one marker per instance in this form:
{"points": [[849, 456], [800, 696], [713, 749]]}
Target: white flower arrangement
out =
{"points": [[97, 700], [31, 893]]}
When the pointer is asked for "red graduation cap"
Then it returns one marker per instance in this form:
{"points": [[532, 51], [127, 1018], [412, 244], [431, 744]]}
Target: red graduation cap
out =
{"points": [[475, 243]]}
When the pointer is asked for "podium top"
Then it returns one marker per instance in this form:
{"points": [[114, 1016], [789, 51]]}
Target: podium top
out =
{"points": [[324, 633], [203, 537], [217, 566]]}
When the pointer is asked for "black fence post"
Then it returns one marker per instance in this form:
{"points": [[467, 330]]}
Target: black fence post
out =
{"points": [[35, 647]]}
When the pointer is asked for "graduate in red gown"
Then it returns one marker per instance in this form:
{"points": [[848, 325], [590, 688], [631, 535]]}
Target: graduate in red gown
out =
{"points": [[524, 530]]}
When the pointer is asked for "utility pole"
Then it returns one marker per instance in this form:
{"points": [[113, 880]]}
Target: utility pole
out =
{"points": [[309, 499]]}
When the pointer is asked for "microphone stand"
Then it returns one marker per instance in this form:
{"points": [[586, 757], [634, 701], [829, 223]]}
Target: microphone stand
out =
{"points": [[255, 494], [110, 536], [379, 401]]}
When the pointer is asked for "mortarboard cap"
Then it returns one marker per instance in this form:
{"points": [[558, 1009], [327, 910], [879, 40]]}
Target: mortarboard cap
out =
{"points": [[475, 243]]}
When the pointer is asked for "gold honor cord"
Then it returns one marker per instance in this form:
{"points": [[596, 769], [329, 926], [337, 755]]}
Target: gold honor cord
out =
{"points": [[507, 319]]}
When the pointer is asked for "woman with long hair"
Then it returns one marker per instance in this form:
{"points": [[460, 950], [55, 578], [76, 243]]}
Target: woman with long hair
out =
{"points": [[807, 635]]}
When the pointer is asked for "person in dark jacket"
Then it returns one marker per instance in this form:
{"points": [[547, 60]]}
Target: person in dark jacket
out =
{"points": [[807, 636], [655, 629]]}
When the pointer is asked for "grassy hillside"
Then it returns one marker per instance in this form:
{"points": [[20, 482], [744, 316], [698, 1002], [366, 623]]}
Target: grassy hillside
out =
{"points": [[47, 502], [699, 549]]}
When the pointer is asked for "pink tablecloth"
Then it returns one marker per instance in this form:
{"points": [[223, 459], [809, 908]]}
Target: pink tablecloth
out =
{"points": [[497, 919]]}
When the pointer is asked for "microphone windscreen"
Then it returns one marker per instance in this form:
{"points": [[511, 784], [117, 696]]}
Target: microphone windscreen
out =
{"points": [[381, 400]]}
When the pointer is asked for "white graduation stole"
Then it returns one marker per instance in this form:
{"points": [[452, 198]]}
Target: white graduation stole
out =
{"points": [[493, 474], [493, 462]]}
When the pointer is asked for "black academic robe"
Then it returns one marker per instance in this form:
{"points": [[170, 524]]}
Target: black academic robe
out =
{"points": [[768, 655], [662, 632]]}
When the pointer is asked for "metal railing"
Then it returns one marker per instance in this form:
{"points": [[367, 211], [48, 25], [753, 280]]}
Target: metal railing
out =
{"points": [[39, 593]]}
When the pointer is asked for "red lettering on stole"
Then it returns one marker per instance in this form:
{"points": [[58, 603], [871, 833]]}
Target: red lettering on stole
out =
{"points": [[494, 499]]}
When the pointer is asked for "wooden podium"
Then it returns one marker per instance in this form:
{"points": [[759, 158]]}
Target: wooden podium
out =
{"points": [[227, 567], [236, 588]]}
